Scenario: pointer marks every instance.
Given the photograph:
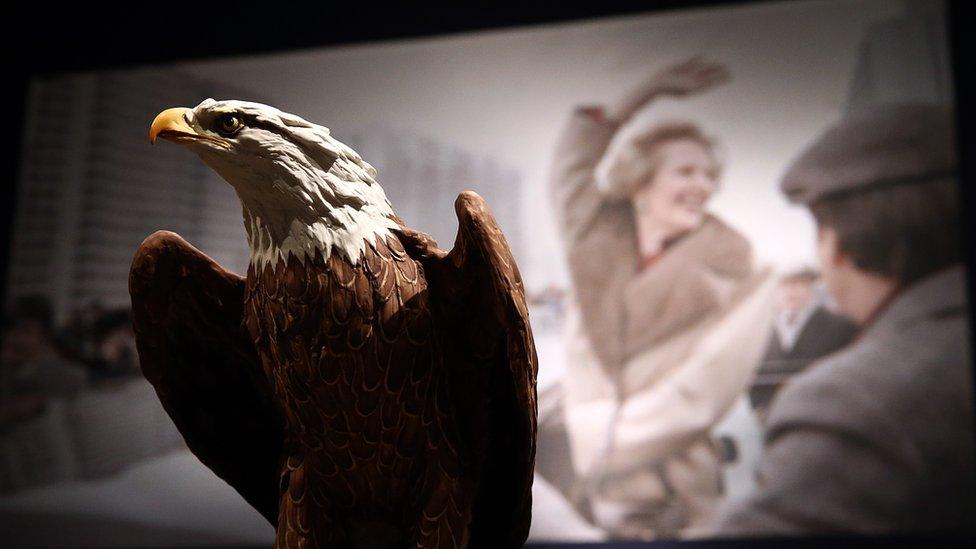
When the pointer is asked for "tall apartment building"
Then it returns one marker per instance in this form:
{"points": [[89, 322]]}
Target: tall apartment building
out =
{"points": [[904, 58], [422, 177], [92, 187]]}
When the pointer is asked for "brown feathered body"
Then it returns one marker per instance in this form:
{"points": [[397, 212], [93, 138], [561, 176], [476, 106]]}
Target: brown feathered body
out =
{"points": [[371, 441], [383, 402]]}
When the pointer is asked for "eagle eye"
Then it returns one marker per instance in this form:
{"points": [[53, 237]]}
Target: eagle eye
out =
{"points": [[229, 124]]}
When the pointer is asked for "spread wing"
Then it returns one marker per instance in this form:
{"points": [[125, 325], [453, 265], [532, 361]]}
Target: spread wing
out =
{"points": [[477, 291], [187, 317]]}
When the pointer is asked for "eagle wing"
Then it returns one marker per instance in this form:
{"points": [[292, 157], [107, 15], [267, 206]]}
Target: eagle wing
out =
{"points": [[193, 348], [478, 294]]}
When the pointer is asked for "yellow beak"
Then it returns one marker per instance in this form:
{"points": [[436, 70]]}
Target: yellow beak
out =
{"points": [[171, 124]]}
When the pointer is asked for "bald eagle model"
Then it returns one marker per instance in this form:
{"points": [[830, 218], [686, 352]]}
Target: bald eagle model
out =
{"points": [[360, 387]]}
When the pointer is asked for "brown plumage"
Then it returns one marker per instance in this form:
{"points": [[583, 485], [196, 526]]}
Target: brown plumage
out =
{"points": [[387, 402]]}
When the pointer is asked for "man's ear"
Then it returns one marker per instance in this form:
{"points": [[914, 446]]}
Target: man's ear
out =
{"points": [[828, 248]]}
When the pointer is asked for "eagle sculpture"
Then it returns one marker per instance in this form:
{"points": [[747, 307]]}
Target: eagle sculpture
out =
{"points": [[359, 387]]}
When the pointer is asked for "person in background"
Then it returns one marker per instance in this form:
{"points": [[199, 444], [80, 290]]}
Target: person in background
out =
{"points": [[79, 330], [115, 347], [877, 438], [662, 321], [803, 330], [31, 367]]}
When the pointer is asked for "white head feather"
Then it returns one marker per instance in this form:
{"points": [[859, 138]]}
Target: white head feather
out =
{"points": [[301, 190]]}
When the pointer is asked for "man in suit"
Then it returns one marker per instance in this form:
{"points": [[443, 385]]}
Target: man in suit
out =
{"points": [[877, 438], [803, 331]]}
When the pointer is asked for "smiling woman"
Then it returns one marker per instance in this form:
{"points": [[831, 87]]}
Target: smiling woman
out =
{"points": [[657, 279], [668, 173]]}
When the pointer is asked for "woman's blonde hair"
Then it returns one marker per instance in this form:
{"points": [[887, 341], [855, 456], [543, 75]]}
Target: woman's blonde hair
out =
{"points": [[636, 163]]}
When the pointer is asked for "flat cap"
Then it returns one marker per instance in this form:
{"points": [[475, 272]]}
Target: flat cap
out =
{"points": [[892, 144]]}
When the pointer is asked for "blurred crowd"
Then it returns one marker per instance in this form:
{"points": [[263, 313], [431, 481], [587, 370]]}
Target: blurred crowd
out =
{"points": [[40, 360]]}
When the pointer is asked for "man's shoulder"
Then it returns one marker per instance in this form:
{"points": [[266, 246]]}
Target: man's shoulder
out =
{"points": [[892, 359], [874, 388], [829, 391]]}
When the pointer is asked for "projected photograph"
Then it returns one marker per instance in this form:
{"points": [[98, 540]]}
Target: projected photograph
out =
{"points": [[737, 231]]}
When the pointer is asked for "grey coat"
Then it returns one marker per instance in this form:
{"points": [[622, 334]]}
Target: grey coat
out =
{"points": [[878, 437]]}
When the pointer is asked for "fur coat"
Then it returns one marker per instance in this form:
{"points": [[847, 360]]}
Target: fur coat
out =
{"points": [[657, 356]]}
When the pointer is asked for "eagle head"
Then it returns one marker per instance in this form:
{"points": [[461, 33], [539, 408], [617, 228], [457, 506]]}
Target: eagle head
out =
{"points": [[300, 188]]}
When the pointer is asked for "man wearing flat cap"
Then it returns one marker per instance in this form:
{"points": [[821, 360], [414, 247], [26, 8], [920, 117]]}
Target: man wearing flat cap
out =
{"points": [[878, 437]]}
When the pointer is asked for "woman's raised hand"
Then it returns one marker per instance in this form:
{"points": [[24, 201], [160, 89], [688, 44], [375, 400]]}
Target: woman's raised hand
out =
{"points": [[686, 78], [692, 76]]}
